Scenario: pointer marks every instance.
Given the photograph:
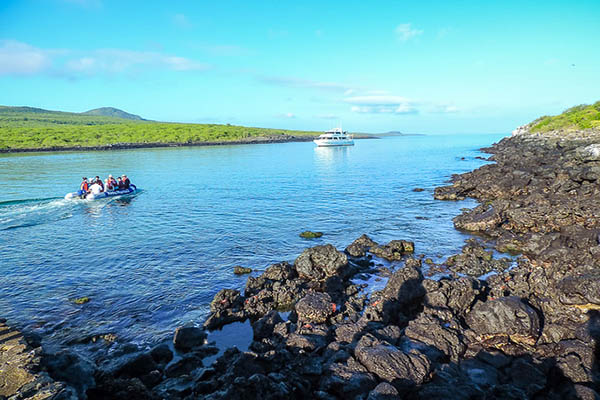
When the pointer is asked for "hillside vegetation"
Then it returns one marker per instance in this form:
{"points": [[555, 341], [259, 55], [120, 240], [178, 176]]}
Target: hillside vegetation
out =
{"points": [[575, 118], [34, 128]]}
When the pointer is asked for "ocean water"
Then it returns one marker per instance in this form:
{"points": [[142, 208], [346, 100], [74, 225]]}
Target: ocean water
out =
{"points": [[154, 261]]}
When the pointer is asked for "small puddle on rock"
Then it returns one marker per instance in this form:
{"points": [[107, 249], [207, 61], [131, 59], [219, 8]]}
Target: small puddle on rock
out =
{"points": [[236, 334]]}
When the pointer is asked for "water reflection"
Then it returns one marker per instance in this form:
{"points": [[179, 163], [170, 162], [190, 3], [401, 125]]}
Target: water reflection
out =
{"points": [[328, 156]]}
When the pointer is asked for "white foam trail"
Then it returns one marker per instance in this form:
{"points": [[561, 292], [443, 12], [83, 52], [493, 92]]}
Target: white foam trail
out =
{"points": [[30, 214]]}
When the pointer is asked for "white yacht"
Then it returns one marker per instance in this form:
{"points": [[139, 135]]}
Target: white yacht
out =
{"points": [[335, 137]]}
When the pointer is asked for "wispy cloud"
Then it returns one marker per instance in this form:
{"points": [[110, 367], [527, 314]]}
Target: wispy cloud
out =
{"points": [[17, 58], [405, 32], [381, 104], [441, 108], [327, 116], [304, 83], [114, 61], [390, 104], [286, 115]]}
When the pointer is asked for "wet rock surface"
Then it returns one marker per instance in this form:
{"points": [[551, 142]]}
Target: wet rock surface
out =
{"points": [[21, 375], [489, 326]]}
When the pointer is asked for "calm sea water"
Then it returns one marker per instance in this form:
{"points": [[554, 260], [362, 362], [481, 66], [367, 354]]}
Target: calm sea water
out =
{"points": [[154, 261]]}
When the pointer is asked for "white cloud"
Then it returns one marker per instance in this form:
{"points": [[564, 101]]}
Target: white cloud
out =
{"points": [[286, 115], [381, 104], [17, 58], [391, 109], [116, 61], [304, 83], [377, 100], [327, 116], [442, 109], [404, 32], [390, 104]]}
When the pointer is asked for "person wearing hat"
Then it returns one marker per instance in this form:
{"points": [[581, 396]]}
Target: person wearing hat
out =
{"points": [[112, 181], [84, 188], [99, 182], [126, 182]]}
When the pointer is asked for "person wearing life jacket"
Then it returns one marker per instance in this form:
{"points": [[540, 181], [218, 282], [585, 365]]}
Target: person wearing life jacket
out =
{"points": [[99, 182], [112, 181], [84, 188], [126, 182], [107, 186]]}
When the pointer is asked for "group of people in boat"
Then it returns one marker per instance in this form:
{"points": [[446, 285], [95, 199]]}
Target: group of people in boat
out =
{"points": [[96, 186]]}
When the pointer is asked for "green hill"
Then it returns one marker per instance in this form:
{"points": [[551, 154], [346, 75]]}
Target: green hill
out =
{"points": [[34, 128], [575, 118], [112, 112]]}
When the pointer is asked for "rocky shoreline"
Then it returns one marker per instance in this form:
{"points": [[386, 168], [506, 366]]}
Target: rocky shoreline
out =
{"points": [[480, 325]]}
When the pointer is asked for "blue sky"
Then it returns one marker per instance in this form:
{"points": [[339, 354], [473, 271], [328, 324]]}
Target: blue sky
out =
{"points": [[428, 67]]}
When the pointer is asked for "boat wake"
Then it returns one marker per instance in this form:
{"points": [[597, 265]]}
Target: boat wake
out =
{"points": [[31, 212]]}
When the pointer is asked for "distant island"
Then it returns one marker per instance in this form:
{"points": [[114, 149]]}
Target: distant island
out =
{"points": [[36, 129], [398, 133]]}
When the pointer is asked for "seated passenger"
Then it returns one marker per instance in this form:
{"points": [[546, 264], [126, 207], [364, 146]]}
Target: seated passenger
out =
{"points": [[84, 188], [126, 182], [120, 184], [107, 185], [99, 182], [112, 181], [96, 188]]}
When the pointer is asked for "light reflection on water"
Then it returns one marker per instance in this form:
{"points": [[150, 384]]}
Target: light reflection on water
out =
{"points": [[154, 261]]}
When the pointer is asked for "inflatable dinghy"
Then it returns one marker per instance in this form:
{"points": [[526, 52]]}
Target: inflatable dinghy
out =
{"points": [[112, 193]]}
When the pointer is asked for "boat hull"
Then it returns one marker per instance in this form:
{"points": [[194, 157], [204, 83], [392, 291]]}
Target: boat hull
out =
{"points": [[331, 143], [113, 193]]}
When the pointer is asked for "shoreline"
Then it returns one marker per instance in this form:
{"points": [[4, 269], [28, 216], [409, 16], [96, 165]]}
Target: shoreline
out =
{"points": [[130, 146], [524, 329]]}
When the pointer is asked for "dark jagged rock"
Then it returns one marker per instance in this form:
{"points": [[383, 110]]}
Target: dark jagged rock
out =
{"points": [[475, 260], [188, 337], [69, 367], [21, 375], [384, 391], [391, 364], [239, 270], [135, 366], [394, 250], [263, 328], [347, 379], [280, 272], [508, 317], [161, 354], [445, 336], [226, 307], [321, 262], [315, 308], [360, 246], [311, 235]]}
